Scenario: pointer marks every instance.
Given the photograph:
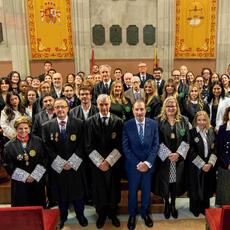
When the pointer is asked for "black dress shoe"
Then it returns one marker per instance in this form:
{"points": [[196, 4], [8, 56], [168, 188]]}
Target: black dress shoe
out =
{"points": [[100, 221], [148, 221], [82, 220], [62, 223], [167, 211], [115, 221], [131, 222], [174, 212]]}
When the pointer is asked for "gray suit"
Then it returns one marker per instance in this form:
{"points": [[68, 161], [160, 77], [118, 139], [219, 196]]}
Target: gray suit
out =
{"points": [[130, 95]]}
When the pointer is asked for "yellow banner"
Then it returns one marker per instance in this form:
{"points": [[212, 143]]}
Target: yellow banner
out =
{"points": [[195, 29], [50, 29]]}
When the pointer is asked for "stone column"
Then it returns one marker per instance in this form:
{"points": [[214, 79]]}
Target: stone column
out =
{"points": [[81, 34], [223, 41], [165, 34], [15, 16]]}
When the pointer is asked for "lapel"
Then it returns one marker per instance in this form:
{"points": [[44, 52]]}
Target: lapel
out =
{"points": [[147, 129]]}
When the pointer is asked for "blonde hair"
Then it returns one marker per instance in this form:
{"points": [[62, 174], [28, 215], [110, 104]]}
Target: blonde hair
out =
{"points": [[163, 115], [202, 113], [22, 119], [200, 101], [122, 96], [148, 98]]}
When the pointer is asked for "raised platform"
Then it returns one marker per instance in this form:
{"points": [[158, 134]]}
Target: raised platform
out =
{"points": [[157, 205]]}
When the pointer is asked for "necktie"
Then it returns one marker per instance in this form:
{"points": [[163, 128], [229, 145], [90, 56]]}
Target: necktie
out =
{"points": [[63, 130], [158, 84], [104, 120], [106, 87], [70, 103], [141, 132]]}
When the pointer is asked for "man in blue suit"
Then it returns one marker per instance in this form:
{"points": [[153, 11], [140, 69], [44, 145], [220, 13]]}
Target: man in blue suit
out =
{"points": [[140, 145]]}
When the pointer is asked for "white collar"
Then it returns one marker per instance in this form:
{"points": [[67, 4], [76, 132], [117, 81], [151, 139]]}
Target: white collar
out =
{"points": [[228, 126], [108, 115], [138, 122], [66, 119], [201, 131]]}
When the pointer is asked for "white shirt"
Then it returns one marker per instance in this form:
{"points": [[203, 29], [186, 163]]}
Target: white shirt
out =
{"points": [[107, 120], [58, 120], [86, 112], [228, 126], [108, 83]]}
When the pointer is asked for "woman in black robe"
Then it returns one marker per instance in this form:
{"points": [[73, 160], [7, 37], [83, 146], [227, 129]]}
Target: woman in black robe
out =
{"points": [[25, 163], [223, 150], [194, 103], [153, 102], [201, 164], [169, 179]]}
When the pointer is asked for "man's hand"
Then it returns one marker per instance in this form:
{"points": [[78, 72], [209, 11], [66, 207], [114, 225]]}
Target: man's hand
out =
{"points": [[206, 167], [229, 167], [104, 166], [142, 167], [30, 179], [174, 157], [67, 166]]}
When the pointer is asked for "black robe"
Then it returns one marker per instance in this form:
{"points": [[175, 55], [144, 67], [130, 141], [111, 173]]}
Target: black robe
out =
{"points": [[201, 185], [153, 108], [77, 112], [69, 185], [25, 194], [161, 175], [39, 120], [189, 109], [106, 185], [124, 111]]}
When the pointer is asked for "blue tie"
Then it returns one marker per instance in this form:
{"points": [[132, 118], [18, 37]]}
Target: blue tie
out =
{"points": [[141, 133], [63, 130]]}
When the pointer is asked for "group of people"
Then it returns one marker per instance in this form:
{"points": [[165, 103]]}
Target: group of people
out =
{"points": [[68, 143]]}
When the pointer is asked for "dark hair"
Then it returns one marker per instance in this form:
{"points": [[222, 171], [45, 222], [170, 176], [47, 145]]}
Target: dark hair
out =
{"points": [[205, 68], [67, 77], [226, 117], [68, 84], [26, 97], [48, 62], [117, 69], [85, 87], [10, 75], [4, 79], [46, 95], [52, 70], [211, 95], [9, 109], [158, 69]]}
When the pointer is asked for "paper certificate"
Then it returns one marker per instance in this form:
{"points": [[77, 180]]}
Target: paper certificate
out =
{"points": [[96, 158], [113, 157], [163, 152], [75, 161], [58, 164], [38, 172], [20, 175]]}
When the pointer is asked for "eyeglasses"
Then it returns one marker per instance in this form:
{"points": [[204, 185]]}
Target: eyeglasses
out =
{"points": [[60, 107]]}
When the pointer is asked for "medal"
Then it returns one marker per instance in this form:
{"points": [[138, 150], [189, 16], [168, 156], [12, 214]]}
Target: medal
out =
{"points": [[172, 136], [19, 157], [32, 153], [127, 109], [113, 135], [51, 136], [196, 139], [26, 158], [73, 137], [148, 109], [56, 137], [182, 132]]}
